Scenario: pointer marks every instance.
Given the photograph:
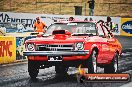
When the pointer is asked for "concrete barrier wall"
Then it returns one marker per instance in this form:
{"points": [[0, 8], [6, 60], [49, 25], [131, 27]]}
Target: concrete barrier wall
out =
{"points": [[12, 47]]}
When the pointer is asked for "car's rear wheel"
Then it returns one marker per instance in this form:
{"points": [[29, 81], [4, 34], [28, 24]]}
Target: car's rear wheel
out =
{"points": [[61, 70], [113, 66], [92, 62], [32, 69]]}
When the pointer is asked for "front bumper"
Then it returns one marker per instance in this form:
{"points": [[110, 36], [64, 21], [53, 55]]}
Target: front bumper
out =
{"points": [[56, 53]]}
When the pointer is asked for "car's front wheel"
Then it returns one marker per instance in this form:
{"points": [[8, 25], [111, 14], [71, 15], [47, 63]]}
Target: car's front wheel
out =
{"points": [[61, 70], [113, 66], [32, 69]]}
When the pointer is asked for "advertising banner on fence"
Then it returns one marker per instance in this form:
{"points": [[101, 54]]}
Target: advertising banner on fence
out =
{"points": [[126, 26], [23, 22], [7, 49], [20, 47]]}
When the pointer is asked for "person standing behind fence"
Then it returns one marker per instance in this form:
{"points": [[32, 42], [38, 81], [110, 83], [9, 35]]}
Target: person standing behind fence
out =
{"points": [[91, 7], [71, 19], [39, 26]]}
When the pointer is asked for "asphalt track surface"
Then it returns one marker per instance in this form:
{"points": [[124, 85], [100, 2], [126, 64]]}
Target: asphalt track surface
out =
{"points": [[16, 75]]}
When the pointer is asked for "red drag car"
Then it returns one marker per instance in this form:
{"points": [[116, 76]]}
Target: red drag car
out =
{"points": [[69, 44]]}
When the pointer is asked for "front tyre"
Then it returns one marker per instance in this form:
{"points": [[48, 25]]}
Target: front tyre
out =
{"points": [[61, 70], [32, 69], [113, 66]]}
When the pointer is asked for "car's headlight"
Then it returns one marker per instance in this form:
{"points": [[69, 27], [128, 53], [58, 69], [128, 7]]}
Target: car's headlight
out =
{"points": [[79, 46], [30, 47]]}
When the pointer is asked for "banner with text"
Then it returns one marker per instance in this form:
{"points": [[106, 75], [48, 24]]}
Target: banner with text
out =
{"points": [[7, 49], [23, 22], [126, 26]]}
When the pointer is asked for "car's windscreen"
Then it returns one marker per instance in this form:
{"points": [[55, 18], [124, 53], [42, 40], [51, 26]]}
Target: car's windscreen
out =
{"points": [[74, 28]]}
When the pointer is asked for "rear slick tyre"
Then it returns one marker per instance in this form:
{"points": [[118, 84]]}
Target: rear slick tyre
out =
{"points": [[113, 66]]}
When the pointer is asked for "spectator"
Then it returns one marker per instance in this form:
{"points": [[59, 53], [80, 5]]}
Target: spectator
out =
{"points": [[86, 19], [39, 26], [71, 19], [90, 19], [91, 7]]}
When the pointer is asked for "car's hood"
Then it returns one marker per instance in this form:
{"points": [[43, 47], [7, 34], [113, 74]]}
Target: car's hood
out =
{"points": [[52, 39]]}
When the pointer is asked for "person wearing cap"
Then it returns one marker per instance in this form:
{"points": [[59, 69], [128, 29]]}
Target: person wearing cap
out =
{"points": [[39, 26]]}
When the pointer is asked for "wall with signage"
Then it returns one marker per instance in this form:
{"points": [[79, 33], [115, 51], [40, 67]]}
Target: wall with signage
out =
{"points": [[126, 26], [23, 22], [7, 49]]}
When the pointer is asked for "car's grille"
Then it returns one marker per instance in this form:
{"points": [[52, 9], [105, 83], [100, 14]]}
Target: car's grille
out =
{"points": [[55, 47]]}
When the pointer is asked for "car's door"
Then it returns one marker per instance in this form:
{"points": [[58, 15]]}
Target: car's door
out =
{"points": [[112, 46], [105, 49]]}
